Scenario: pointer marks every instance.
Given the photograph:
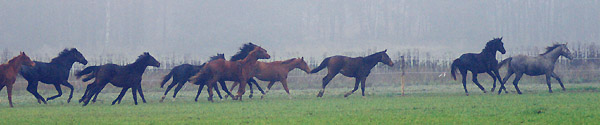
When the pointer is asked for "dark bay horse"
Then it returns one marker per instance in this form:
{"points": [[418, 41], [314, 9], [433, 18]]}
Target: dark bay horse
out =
{"points": [[56, 73], [181, 74], [484, 62], [358, 67], [277, 71], [238, 71], [9, 71], [535, 66], [128, 76]]}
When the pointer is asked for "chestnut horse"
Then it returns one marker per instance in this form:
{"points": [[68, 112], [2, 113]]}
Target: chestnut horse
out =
{"points": [[181, 74], [278, 71], [358, 67], [128, 76], [238, 71], [9, 71]]}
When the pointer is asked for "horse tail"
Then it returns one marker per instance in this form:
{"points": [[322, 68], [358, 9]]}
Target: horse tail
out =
{"points": [[453, 68], [323, 65], [166, 78], [198, 76], [88, 78], [86, 71], [504, 62]]}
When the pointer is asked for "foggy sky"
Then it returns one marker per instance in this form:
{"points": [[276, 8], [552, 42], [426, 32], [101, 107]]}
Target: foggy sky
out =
{"points": [[313, 28]]}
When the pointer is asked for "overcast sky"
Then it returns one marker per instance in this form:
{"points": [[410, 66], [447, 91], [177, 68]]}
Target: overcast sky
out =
{"points": [[290, 28]]}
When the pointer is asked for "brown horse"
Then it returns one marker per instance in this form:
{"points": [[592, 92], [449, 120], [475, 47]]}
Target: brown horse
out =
{"points": [[9, 71], [359, 68], [278, 71], [238, 71]]}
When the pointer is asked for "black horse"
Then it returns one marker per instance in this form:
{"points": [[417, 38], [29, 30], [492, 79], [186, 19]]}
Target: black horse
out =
{"points": [[357, 67], [128, 76], [484, 62], [56, 73], [181, 74]]}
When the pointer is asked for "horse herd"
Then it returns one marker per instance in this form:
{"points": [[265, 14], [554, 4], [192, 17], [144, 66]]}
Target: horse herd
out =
{"points": [[244, 66]]}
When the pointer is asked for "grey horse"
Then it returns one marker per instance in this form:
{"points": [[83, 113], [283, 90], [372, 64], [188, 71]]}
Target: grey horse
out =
{"points": [[535, 66]]}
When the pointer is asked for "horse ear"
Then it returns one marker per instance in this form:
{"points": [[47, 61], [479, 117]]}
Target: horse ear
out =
{"points": [[385, 50], [302, 58], [501, 38], [146, 53], [22, 53]]}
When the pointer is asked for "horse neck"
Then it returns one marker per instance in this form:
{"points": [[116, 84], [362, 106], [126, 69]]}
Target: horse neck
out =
{"points": [[371, 61], [138, 66], [292, 65], [488, 52], [15, 64], [552, 55], [250, 59], [63, 61]]}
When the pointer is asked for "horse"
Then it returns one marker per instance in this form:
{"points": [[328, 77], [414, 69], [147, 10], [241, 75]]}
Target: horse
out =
{"points": [[56, 73], [278, 72], [357, 67], [238, 71], [9, 71], [535, 66], [181, 75], [484, 62], [128, 76]]}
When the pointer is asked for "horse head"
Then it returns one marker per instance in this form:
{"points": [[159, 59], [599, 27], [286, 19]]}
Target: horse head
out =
{"points": [[497, 45], [260, 53], [385, 59], [74, 54], [301, 64], [566, 52], [149, 60], [25, 60]]}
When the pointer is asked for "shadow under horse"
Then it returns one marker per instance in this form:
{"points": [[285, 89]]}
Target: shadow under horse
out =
{"points": [[535, 66], [181, 74], [128, 76], [56, 73], [484, 62], [358, 67], [9, 72]]}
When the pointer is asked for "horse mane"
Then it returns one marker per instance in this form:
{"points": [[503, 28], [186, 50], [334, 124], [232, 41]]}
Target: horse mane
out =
{"points": [[372, 57], [143, 56], [288, 61], [244, 51], [550, 48], [66, 52], [490, 43], [218, 56], [13, 59]]}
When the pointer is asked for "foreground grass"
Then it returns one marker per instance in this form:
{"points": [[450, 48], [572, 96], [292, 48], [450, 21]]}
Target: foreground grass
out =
{"points": [[577, 106]]}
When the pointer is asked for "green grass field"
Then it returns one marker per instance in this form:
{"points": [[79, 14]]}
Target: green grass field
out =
{"points": [[580, 104]]}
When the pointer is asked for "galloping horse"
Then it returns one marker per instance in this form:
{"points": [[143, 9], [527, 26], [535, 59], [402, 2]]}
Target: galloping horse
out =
{"points": [[56, 73], [278, 71], [238, 71], [9, 71], [181, 74], [535, 66], [359, 68], [484, 62], [128, 76]]}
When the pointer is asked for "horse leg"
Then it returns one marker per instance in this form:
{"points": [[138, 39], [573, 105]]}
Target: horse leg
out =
{"points": [[179, 86], [251, 90], [32, 88], [201, 86], [356, 83], [134, 93], [241, 90], [210, 90], [58, 89], [96, 95], [494, 78], [516, 82], [1, 87], [224, 88], [463, 73], [268, 88], [141, 93], [68, 85], [257, 86], [362, 85], [173, 83], [502, 82], [284, 83], [9, 92], [216, 87], [499, 79], [230, 89], [477, 82], [548, 82], [326, 81], [559, 81], [123, 91], [87, 89]]}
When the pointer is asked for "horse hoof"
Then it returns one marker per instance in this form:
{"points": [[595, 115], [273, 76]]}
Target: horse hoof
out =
{"points": [[250, 96], [467, 94], [263, 96], [493, 89]]}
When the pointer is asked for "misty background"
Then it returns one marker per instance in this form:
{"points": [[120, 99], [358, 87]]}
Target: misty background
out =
{"points": [[176, 30]]}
